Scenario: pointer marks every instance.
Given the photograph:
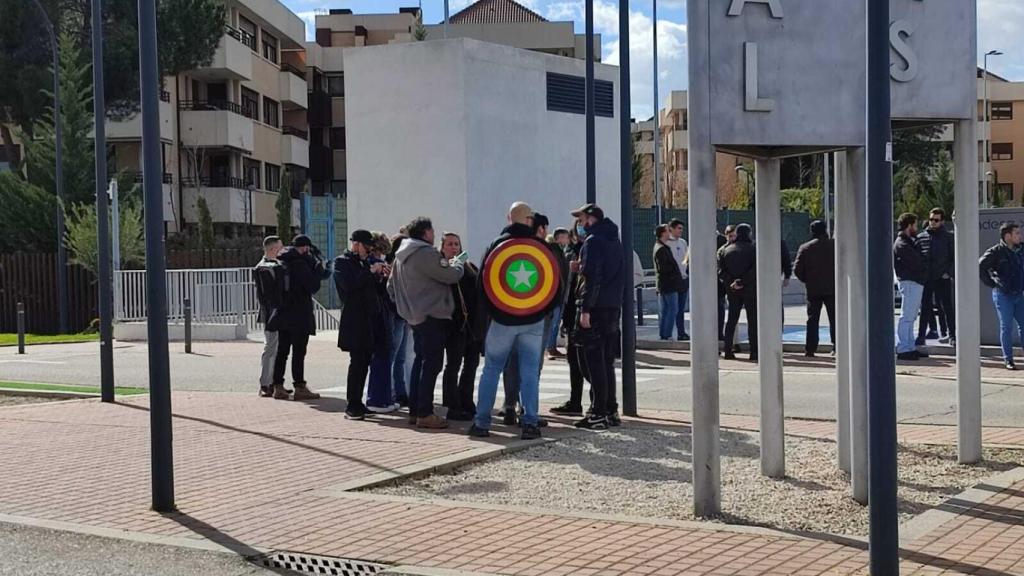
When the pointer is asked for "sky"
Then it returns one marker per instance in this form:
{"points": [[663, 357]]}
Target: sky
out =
{"points": [[1000, 23]]}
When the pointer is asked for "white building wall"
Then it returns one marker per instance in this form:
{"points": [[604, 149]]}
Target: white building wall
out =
{"points": [[457, 130]]}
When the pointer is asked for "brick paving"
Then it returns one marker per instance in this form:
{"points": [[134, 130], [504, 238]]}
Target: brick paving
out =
{"points": [[255, 473]]}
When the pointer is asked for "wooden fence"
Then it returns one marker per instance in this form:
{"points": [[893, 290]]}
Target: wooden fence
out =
{"points": [[32, 279]]}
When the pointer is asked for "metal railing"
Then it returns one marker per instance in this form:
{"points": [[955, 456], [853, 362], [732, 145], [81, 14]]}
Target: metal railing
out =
{"points": [[165, 96], [293, 131], [206, 105], [166, 177], [242, 36], [215, 182]]}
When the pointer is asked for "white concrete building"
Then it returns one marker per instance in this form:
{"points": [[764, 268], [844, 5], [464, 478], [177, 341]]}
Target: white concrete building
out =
{"points": [[459, 129]]}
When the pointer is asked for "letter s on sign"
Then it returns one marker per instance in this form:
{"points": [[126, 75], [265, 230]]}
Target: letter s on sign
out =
{"points": [[899, 33]]}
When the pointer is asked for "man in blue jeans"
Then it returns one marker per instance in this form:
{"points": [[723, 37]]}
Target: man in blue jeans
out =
{"points": [[1002, 269], [508, 285], [912, 272]]}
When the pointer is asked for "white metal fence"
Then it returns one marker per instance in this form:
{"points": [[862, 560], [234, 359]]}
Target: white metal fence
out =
{"points": [[218, 296]]}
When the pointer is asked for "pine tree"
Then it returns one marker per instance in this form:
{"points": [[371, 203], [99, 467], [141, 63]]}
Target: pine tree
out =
{"points": [[205, 224], [284, 211]]}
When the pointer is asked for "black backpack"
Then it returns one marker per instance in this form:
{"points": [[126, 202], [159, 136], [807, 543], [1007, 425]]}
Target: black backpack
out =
{"points": [[271, 285]]}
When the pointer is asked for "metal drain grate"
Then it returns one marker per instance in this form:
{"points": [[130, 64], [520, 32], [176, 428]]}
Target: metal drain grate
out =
{"points": [[311, 564]]}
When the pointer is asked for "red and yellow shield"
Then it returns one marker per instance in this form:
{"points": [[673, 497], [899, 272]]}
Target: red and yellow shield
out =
{"points": [[521, 277]]}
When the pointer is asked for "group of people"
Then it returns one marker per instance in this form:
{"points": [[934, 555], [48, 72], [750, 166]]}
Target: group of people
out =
{"points": [[532, 285]]}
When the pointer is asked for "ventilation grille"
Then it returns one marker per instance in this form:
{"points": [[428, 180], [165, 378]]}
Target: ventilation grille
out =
{"points": [[310, 564], [568, 94]]}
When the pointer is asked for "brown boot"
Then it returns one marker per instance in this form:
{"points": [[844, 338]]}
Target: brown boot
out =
{"points": [[302, 392], [432, 422], [280, 393]]}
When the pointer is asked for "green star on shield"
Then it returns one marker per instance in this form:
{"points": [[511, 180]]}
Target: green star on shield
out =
{"points": [[521, 276]]}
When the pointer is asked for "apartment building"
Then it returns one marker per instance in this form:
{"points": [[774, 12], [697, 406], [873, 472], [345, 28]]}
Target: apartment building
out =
{"points": [[233, 132], [496, 21], [1004, 167]]}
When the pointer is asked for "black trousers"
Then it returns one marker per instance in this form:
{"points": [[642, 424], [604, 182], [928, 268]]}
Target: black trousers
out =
{"points": [[428, 342], [738, 302], [358, 369], [295, 343], [600, 347], [937, 293], [721, 316], [814, 304], [461, 352], [576, 359]]}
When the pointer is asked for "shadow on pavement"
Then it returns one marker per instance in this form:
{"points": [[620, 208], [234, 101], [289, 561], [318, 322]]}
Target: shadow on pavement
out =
{"points": [[248, 553]]}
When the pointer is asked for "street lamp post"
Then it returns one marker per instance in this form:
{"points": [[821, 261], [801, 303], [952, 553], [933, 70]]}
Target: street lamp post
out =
{"points": [[99, 109], [986, 141], [657, 131], [58, 176], [591, 154]]}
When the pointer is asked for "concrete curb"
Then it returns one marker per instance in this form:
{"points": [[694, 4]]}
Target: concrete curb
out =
{"points": [[789, 347], [47, 393], [422, 571], [921, 525]]}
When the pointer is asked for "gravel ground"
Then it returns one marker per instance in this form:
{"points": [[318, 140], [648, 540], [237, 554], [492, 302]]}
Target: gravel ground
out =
{"points": [[6, 400], [641, 470]]}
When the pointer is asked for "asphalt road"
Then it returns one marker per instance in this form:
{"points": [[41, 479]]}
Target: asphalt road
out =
{"points": [[29, 551], [664, 380]]}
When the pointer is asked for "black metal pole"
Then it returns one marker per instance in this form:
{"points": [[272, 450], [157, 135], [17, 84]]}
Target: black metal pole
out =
{"points": [[162, 461], [188, 325], [99, 109], [640, 305], [884, 521], [626, 182], [589, 92], [21, 327]]}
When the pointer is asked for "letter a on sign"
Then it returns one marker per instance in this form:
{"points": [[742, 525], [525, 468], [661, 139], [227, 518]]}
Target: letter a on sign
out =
{"points": [[775, 6]]}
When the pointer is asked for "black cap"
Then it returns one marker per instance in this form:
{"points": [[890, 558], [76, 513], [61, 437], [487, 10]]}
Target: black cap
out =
{"points": [[818, 228], [540, 220], [301, 240], [589, 210], [362, 236]]}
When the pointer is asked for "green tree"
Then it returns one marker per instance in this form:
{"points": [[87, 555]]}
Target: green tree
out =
{"points": [[28, 219], [941, 183], [420, 32], [284, 212], [81, 237], [910, 192], [918, 148], [76, 123], [206, 239], [807, 200]]}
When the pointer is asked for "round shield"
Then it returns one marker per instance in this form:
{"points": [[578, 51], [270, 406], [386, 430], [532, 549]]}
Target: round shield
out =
{"points": [[521, 277]]}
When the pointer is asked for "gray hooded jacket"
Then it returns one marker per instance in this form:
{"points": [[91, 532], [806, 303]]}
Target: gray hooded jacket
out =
{"points": [[420, 283]]}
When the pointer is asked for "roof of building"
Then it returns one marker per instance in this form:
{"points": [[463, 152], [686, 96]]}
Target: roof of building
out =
{"points": [[495, 11]]}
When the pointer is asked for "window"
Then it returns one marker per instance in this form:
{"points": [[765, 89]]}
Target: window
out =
{"points": [[568, 94], [252, 172], [1002, 110], [250, 104], [1002, 151], [1005, 190], [339, 188], [5, 162], [270, 112], [269, 47], [273, 176], [338, 138], [336, 84], [247, 31]]}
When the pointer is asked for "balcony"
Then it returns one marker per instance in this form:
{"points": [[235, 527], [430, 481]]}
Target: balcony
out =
{"points": [[233, 58], [215, 124], [130, 129], [680, 139], [232, 203], [293, 89], [294, 147]]}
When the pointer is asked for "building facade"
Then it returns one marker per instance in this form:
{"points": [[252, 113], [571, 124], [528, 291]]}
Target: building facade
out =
{"points": [[1003, 169]]}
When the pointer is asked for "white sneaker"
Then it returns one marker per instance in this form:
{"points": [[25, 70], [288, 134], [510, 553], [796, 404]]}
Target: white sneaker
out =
{"points": [[383, 409]]}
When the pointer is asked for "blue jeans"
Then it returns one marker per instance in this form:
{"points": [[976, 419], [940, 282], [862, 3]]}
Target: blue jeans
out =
{"points": [[684, 305], [396, 358], [905, 337], [1010, 309], [528, 341], [556, 322], [667, 314]]}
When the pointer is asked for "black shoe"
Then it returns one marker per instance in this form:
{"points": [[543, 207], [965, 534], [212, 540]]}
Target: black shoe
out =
{"points": [[684, 337], [932, 335], [753, 357], [1011, 366], [593, 423], [921, 354], [355, 414], [266, 392], [478, 432], [919, 342], [909, 356], [730, 356], [530, 433], [542, 423], [403, 401], [809, 354], [509, 418], [459, 416], [614, 419], [567, 409]]}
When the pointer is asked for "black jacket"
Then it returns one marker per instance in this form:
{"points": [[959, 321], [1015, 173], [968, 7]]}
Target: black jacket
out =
{"points": [[738, 261], [362, 315], [939, 251], [1003, 268], [264, 277], [603, 268], [669, 279], [816, 266], [572, 288], [908, 261], [467, 315], [493, 312], [303, 281]]}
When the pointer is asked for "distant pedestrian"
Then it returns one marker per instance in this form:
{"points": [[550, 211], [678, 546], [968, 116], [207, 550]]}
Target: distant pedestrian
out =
{"points": [[816, 268], [380, 396], [737, 272], [574, 350], [726, 237], [401, 337], [464, 341], [304, 272], [1002, 269], [559, 246], [912, 273], [668, 282], [939, 250], [362, 332], [680, 250], [268, 276], [421, 286]]}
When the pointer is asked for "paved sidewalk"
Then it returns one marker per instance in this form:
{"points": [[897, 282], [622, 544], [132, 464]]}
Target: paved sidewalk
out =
{"points": [[256, 474]]}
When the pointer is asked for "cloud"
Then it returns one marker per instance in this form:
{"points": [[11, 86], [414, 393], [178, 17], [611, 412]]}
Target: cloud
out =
{"points": [[309, 18], [999, 24]]}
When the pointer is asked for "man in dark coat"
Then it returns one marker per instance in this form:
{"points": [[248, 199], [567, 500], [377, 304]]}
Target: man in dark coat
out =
{"points": [[737, 272], [464, 340], [362, 332], [1002, 270], [939, 249], [297, 321], [912, 272], [268, 277], [816, 268]]}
